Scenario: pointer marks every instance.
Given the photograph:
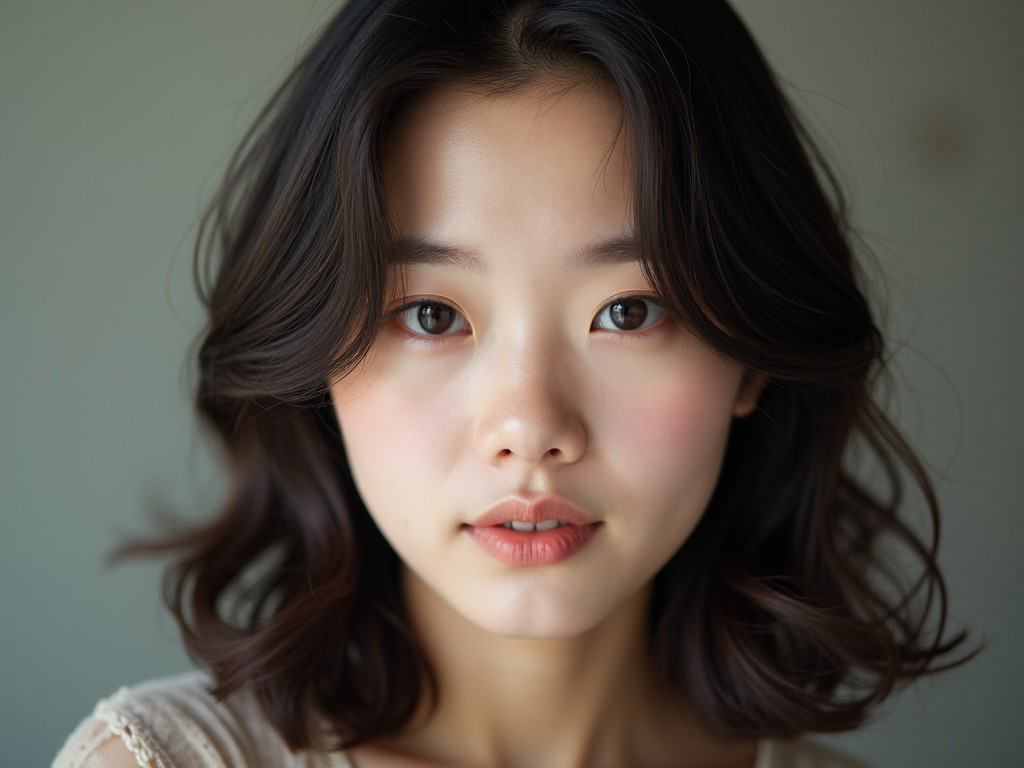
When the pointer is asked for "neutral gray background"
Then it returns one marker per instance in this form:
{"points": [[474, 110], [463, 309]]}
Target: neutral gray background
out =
{"points": [[115, 117]]}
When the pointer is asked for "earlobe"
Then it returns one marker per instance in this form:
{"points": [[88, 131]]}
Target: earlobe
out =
{"points": [[751, 387]]}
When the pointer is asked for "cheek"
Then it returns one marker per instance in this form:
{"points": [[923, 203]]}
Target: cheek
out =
{"points": [[394, 425], [671, 435], [389, 432]]}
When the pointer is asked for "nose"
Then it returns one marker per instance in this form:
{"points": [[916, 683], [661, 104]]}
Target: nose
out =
{"points": [[527, 413]]}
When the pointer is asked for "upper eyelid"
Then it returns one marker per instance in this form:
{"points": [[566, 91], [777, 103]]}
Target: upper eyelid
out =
{"points": [[407, 303], [651, 297]]}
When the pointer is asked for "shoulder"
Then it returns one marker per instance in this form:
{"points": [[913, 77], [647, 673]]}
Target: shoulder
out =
{"points": [[176, 722], [803, 753]]}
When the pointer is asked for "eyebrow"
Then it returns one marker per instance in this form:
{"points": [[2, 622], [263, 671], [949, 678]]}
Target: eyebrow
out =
{"points": [[420, 250], [616, 250]]}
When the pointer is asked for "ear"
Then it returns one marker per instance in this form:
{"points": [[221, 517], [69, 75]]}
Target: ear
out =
{"points": [[751, 387]]}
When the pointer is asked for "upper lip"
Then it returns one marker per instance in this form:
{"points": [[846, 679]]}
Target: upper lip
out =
{"points": [[535, 510]]}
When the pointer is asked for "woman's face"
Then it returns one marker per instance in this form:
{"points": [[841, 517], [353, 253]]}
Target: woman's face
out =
{"points": [[527, 373]]}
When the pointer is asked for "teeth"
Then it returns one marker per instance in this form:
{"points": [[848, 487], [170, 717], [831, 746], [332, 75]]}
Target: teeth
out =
{"points": [[547, 525]]}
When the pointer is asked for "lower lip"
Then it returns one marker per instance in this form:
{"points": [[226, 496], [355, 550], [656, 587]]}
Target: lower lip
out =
{"points": [[532, 547]]}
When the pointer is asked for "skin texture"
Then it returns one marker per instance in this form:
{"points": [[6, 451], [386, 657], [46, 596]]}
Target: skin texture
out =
{"points": [[533, 392]]}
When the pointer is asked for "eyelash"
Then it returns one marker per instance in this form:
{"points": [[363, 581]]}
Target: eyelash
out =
{"points": [[395, 315], [661, 315]]}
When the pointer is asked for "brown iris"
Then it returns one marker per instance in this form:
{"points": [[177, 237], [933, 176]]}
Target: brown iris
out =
{"points": [[628, 314], [435, 318]]}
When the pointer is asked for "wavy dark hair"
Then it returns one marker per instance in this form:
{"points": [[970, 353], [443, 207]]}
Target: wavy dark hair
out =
{"points": [[785, 611]]}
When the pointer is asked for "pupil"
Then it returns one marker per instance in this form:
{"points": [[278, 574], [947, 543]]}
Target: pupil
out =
{"points": [[629, 314], [436, 318]]}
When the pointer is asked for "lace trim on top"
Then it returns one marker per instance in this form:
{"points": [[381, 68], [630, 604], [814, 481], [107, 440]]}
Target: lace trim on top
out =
{"points": [[134, 736]]}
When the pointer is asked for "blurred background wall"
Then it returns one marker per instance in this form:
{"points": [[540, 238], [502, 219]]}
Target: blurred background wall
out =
{"points": [[116, 117]]}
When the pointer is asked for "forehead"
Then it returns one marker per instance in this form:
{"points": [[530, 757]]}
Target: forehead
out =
{"points": [[461, 157], [515, 117]]}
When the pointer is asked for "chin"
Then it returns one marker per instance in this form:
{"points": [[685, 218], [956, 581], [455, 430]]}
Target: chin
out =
{"points": [[536, 627], [535, 615], [527, 606]]}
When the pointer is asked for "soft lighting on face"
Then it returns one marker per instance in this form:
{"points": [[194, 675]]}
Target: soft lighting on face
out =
{"points": [[528, 359]]}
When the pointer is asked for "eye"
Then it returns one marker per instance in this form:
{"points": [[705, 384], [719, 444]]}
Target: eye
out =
{"points": [[628, 313], [432, 318]]}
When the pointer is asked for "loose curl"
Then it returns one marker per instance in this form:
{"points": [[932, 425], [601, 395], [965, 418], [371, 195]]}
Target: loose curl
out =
{"points": [[781, 614]]}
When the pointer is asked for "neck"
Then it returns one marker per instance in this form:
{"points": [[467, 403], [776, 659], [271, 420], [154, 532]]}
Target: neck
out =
{"points": [[588, 700]]}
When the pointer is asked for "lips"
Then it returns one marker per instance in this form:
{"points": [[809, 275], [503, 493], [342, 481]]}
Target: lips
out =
{"points": [[534, 511], [524, 532]]}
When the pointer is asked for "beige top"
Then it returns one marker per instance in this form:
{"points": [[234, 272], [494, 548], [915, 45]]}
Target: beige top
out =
{"points": [[176, 723]]}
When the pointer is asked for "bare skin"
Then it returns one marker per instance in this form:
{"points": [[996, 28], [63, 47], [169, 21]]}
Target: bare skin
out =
{"points": [[591, 701]]}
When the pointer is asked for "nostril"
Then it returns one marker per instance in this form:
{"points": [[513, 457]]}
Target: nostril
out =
{"points": [[550, 438]]}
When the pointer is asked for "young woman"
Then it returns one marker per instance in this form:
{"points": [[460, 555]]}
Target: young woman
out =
{"points": [[541, 363]]}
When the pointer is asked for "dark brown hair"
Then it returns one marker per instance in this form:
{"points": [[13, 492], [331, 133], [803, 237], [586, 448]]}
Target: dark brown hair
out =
{"points": [[785, 611]]}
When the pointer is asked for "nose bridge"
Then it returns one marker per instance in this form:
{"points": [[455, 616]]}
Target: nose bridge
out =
{"points": [[527, 412]]}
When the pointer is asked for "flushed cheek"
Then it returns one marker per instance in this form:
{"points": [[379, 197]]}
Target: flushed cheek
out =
{"points": [[665, 460], [671, 436], [394, 431]]}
